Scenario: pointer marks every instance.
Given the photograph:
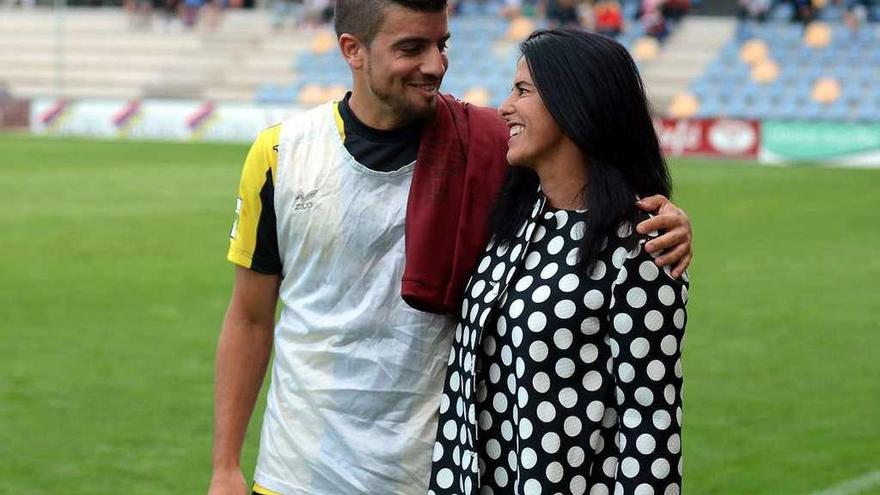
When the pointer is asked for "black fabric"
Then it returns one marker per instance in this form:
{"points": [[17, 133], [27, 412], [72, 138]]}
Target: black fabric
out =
{"points": [[383, 151], [266, 258]]}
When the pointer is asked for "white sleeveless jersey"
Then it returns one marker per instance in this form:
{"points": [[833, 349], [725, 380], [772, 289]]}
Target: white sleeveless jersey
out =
{"points": [[357, 374]]}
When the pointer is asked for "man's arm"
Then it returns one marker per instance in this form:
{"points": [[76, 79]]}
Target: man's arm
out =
{"points": [[675, 226], [242, 357]]}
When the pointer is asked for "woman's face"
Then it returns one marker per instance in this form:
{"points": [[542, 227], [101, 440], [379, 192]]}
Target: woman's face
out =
{"points": [[534, 135]]}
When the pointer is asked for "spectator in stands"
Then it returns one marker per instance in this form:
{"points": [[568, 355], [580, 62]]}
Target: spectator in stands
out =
{"points": [[653, 20], [804, 11], [286, 11], [755, 10], [675, 10], [857, 12], [563, 13], [608, 17]]}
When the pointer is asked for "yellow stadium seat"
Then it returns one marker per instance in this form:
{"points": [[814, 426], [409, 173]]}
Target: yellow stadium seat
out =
{"points": [[646, 48], [817, 35], [765, 72], [684, 106], [753, 51], [477, 95], [826, 90], [520, 28], [323, 42]]}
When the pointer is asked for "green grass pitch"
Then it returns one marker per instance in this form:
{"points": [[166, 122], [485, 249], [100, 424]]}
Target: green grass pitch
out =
{"points": [[114, 283]]}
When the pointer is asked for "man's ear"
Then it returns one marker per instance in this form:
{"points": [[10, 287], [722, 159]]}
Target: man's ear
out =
{"points": [[353, 51]]}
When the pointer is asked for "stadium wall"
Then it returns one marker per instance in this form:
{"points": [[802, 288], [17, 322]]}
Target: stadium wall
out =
{"points": [[771, 142]]}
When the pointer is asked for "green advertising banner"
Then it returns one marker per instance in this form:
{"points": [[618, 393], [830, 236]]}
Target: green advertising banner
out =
{"points": [[823, 141]]}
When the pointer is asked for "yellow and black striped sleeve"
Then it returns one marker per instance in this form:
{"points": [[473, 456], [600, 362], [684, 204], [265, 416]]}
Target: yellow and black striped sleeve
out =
{"points": [[253, 241]]}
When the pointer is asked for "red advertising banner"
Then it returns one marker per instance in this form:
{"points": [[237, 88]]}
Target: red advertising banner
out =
{"points": [[720, 138]]}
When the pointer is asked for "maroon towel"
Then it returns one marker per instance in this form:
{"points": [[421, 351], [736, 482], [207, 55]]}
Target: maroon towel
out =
{"points": [[459, 170]]}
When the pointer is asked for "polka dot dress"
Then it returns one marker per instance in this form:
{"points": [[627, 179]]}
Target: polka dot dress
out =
{"points": [[559, 381]]}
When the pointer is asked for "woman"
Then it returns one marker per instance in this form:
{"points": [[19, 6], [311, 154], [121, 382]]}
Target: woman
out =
{"points": [[565, 371]]}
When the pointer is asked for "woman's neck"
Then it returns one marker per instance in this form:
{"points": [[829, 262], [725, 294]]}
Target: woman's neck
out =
{"points": [[564, 179]]}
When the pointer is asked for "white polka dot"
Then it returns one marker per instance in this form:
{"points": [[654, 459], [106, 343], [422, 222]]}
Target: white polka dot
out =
{"points": [[578, 230], [672, 489], [684, 294], [532, 260], [475, 310], [529, 458], [520, 366], [523, 283], [502, 250], [493, 448], [653, 320], [678, 368], [489, 345], [599, 490], [669, 394], [622, 323], [597, 443], [444, 403], [512, 462], [592, 381], [522, 397], [598, 271], [516, 336], [494, 373], [525, 428], [537, 321], [507, 430], [483, 316], [629, 467], [578, 485], [632, 418], [660, 469], [569, 282], [563, 339], [575, 457], [511, 383], [674, 443], [515, 252], [541, 294], [564, 309], [478, 288], [499, 402], [618, 257], [561, 218], [550, 443], [549, 271], [666, 295], [555, 245], [621, 276], [455, 381], [589, 353], [444, 478], [610, 418], [568, 397], [678, 318], [554, 472], [662, 420], [540, 232], [609, 467], [644, 396], [546, 412], [573, 257], [646, 444], [516, 308], [656, 370], [591, 326], [594, 299], [626, 372], [532, 487], [639, 347], [541, 382], [438, 452], [572, 426], [624, 230], [620, 440], [648, 271], [644, 489], [615, 348], [501, 476], [498, 271], [459, 407], [538, 351], [636, 297], [669, 345], [485, 420], [450, 429], [595, 411], [565, 368]]}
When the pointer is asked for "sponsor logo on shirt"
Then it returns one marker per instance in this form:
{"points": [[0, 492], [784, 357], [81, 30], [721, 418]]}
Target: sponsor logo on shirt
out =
{"points": [[303, 200]]}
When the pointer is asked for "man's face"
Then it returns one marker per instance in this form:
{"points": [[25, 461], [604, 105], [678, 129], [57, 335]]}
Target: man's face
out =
{"points": [[407, 60]]}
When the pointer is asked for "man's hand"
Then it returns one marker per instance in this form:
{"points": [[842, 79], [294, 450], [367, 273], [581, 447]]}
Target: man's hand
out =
{"points": [[675, 226], [228, 482]]}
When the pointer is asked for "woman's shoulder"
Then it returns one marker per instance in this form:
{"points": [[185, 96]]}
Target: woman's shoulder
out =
{"points": [[625, 248]]}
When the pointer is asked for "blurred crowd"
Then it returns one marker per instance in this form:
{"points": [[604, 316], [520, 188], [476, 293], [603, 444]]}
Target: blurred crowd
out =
{"points": [[855, 12]]}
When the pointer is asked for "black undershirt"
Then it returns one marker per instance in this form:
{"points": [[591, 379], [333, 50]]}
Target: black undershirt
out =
{"points": [[380, 150]]}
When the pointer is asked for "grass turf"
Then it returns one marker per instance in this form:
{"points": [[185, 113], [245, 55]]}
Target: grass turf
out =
{"points": [[114, 284]]}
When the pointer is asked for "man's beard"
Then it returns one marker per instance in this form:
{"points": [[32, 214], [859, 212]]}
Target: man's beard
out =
{"points": [[405, 112]]}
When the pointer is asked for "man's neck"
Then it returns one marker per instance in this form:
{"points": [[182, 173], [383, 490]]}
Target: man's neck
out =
{"points": [[374, 114]]}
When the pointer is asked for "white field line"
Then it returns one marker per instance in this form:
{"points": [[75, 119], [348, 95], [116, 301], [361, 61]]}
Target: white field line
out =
{"points": [[856, 485]]}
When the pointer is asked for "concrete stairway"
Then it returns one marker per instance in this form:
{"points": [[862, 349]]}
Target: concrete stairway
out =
{"points": [[684, 57]]}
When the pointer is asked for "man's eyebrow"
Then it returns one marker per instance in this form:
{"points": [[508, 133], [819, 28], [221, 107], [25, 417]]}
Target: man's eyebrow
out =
{"points": [[418, 40]]}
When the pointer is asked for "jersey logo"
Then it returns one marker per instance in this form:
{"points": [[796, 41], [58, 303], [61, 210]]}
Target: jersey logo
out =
{"points": [[303, 200], [234, 232]]}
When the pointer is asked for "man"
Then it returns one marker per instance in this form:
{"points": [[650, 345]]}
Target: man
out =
{"points": [[322, 210]]}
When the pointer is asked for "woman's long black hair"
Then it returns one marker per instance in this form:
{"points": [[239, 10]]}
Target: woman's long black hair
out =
{"points": [[592, 89]]}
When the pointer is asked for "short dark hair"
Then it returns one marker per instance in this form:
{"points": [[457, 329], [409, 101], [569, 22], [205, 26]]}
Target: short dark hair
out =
{"points": [[592, 89], [362, 18]]}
